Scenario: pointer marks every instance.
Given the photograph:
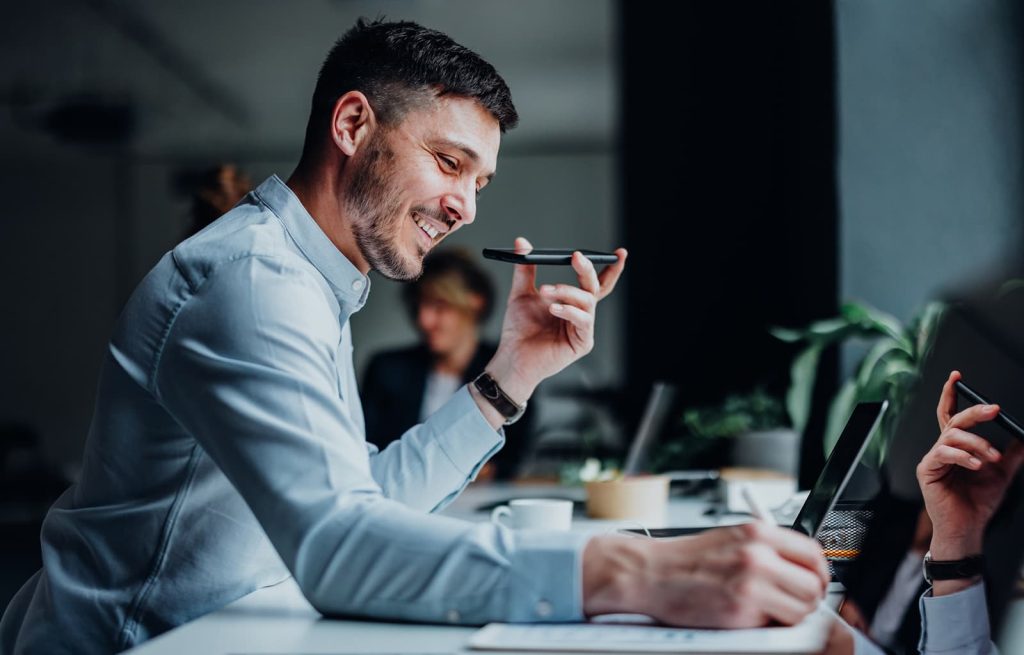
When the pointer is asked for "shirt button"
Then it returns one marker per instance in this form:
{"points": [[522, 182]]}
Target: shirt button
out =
{"points": [[453, 616], [544, 609], [357, 285]]}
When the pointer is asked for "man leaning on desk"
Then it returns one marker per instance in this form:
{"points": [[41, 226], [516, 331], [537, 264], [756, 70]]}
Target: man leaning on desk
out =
{"points": [[227, 450]]}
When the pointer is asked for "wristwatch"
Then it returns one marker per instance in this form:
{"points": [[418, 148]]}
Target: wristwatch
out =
{"points": [[957, 569], [494, 394]]}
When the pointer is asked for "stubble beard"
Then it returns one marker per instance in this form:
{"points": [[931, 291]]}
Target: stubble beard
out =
{"points": [[376, 206]]}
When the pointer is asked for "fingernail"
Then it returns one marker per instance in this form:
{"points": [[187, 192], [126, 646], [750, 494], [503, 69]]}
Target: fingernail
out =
{"points": [[989, 408], [547, 288], [555, 307], [975, 461], [992, 452]]}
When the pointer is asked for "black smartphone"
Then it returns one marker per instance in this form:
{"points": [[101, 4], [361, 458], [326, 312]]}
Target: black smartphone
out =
{"points": [[556, 256], [1002, 418]]}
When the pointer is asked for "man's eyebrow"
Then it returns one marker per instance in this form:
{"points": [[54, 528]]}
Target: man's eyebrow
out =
{"points": [[468, 150]]}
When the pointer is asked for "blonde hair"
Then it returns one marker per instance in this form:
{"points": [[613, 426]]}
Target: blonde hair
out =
{"points": [[454, 277]]}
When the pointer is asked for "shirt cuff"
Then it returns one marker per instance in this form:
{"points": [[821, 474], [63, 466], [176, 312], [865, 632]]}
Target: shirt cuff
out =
{"points": [[954, 622], [547, 577], [466, 438]]}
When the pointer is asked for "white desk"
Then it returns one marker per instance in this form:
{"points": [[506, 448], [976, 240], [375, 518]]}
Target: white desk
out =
{"points": [[278, 620]]}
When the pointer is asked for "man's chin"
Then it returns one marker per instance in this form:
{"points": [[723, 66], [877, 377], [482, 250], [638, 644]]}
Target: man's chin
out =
{"points": [[407, 272]]}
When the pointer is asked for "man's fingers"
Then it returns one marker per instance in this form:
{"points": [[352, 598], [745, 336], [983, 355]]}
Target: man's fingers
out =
{"points": [[796, 581], [585, 273], [569, 295], [970, 443], [972, 416], [581, 321], [790, 545], [781, 606], [610, 274], [942, 456], [947, 400], [524, 276]]}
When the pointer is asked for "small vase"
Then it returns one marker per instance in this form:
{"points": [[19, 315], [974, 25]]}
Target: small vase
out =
{"points": [[776, 450]]}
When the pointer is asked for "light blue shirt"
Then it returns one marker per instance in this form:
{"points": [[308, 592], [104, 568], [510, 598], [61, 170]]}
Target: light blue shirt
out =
{"points": [[227, 452], [957, 623]]}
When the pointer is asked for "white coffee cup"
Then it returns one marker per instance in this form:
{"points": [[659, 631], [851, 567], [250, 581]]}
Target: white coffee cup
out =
{"points": [[534, 514]]}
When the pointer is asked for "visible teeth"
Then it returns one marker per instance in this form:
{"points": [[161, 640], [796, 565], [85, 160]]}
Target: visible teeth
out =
{"points": [[426, 227]]}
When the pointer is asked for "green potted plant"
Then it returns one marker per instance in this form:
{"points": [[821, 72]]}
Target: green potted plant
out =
{"points": [[749, 429], [887, 371]]}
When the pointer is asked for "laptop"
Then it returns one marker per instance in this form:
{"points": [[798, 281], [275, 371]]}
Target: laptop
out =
{"points": [[657, 413], [839, 466]]}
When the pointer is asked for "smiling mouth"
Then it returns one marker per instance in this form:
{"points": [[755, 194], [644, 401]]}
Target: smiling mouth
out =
{"points": [[426, 227]]}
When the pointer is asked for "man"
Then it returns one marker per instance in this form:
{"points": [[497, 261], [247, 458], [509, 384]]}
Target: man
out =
{"points": [[448, 305], [227, 448], [963, 480]]}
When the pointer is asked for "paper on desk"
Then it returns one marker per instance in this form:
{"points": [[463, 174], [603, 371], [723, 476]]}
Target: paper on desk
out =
{"points": [[807, 637]]}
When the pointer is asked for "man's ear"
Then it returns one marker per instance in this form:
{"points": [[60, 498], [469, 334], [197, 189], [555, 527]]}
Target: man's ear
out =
{"points": [[351, 122]]}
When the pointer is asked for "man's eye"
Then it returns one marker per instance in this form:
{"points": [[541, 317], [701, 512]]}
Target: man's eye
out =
{"points": [[450, 163]]}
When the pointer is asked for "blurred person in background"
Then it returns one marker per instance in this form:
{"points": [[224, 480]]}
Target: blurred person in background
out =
{"points": [[214, 192], [448, 305]]}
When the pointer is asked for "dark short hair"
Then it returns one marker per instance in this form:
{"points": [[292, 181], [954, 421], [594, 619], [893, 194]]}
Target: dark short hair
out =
{"points": [[398, 65], [445, 264]]}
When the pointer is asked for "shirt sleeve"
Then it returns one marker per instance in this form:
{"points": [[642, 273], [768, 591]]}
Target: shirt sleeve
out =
{"points": [[248, 367], [957, 623], [444, 452]]}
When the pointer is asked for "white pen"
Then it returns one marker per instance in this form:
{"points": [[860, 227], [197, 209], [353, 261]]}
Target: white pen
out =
{"points": [[756, 508]]}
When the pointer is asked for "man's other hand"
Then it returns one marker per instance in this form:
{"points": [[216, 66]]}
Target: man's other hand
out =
{"points": [[963, 478], [734, 577]]}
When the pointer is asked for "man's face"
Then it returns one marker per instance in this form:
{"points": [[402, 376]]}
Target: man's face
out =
{"points": [[416, 183]]}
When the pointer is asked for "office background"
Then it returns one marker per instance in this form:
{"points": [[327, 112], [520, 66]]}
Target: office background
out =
{"points": [[761, 161]]}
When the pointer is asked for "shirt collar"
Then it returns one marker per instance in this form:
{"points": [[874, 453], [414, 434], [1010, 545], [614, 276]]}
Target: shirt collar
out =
{"points": [[350, 286]]}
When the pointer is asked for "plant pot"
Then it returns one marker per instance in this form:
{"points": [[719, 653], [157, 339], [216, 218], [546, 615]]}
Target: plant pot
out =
{"points": [[643, 498], [776, 450]]}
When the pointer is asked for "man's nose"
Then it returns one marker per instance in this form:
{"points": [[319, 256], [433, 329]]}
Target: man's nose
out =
{"points": [[460, 207]]}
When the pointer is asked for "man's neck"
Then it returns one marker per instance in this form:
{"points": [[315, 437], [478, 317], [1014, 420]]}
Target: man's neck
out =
{"points": [[314, 187], [457, 361]]}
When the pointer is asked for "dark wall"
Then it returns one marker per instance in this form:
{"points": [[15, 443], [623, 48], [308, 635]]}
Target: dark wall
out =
{"points": [[729, 196]]}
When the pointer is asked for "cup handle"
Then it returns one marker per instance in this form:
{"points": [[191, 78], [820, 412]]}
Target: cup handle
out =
{"points": [[498, 512]]}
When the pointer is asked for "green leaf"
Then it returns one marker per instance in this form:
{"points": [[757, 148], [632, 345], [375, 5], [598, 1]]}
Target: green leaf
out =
{"points": [[1009, 287], [802, 374], [839, 413], [925, 326], [825, 331], [885, 348], [788, 335], [875, 320]]}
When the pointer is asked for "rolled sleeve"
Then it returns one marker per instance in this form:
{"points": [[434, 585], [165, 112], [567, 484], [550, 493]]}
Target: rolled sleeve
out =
{"points": [[957, 623], [434, 461]]}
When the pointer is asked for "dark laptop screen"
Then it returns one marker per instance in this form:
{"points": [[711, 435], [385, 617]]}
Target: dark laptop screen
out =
{"points": [[838, 467]]}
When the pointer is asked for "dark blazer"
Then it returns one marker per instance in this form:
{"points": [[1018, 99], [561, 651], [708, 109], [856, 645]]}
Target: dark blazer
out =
{"points": [[392, 394]]}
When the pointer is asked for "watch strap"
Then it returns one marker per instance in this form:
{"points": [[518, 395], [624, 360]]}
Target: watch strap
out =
{"points": [[489, 389], [958, 569]]}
